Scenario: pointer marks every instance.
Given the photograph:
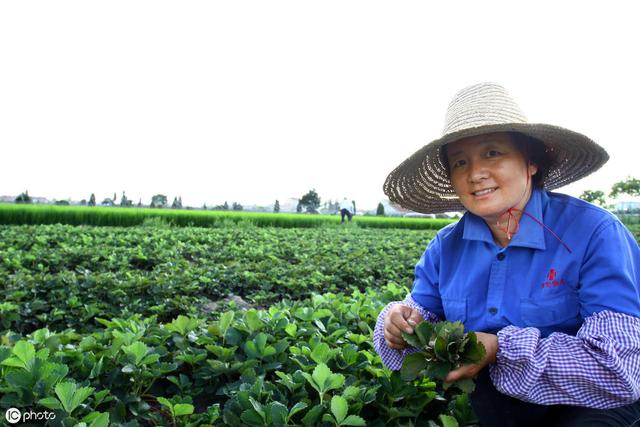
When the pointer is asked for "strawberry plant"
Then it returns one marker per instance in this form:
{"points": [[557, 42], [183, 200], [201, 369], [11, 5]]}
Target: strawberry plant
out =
{"points": [[443, 347]]}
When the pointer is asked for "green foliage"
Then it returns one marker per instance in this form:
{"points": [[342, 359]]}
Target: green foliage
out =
{"points": [[444, 347], [23, 198], [630, 186], [58, 276], [135, 326], [310, 201], [92, 200], [247, 368], [596, 197], [380, 209], [22, 214]]}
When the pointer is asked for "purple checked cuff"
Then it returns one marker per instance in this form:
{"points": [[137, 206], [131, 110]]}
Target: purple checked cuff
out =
{"points": [[598, 368], [392, 358]]}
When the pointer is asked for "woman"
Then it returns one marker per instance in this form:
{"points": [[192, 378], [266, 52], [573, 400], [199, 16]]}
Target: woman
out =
{"points": [[549, 282]]}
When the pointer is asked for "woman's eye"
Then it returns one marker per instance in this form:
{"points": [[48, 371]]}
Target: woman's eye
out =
{"points": [[493, 153], [459, 163]]}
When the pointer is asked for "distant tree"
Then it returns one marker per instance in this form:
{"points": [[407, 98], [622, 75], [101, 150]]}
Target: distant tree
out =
{"points": [[310, 201], [24, 198], [62, 202], [225, 207], [380, 210], [353, 202], [237, 206], [595, 197], [124, 201], [107, 202], [204, 206], [276, 206], [92, 200], [83, 202], [299, 207], [115, 197], [140, 202], [630, 186], [159, 201], [177, 203]]}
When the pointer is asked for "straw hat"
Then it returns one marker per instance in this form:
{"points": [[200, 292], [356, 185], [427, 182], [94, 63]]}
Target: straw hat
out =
{"points": [[421, 183]]}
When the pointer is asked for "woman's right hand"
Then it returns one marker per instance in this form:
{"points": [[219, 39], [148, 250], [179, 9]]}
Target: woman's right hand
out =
{"points": [[400, 318]]}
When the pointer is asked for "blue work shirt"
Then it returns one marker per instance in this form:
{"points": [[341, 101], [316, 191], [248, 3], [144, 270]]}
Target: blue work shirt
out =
{"points": [[535, 281]]}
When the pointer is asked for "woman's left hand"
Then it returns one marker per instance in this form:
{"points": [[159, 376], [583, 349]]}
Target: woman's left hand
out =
{"points": [[490, 343]]}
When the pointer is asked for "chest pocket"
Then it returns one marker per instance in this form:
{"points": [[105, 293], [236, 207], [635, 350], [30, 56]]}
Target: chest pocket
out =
{"points": [[455, 309], [548, 313]]}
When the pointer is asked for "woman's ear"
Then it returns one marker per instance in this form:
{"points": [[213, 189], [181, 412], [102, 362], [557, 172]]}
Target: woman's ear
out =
{"points": [[532, 168]]}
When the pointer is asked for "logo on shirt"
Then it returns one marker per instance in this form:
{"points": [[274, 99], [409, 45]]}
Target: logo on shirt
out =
{"points": [[553, 279]]}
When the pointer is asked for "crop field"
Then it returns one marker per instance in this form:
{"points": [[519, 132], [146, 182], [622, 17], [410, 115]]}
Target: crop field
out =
{"points": [[235, 325], [25, 214]]}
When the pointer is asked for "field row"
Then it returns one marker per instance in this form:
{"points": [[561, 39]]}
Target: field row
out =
{"points": [[59, 276], [18, 214]]}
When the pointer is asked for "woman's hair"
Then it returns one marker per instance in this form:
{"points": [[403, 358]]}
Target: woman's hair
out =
{"points": [[532, 149]]}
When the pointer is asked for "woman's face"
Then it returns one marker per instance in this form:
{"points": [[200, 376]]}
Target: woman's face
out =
{"points": [[489, 174]]}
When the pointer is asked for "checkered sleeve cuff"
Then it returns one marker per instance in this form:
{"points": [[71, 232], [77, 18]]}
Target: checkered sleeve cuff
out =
{"points": [[597, 368], [393, 358]]}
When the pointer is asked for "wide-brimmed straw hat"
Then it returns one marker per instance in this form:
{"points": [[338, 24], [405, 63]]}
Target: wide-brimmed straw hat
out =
{"points": [[421, 183]]}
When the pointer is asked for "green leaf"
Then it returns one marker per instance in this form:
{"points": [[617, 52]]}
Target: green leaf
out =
{"points": [[25, 352], [70, 396], [474, 351], [183, 325], [164, 401], [467, 385], [50, 402], [412, 365], [424, 330], [279, 414], [448, 421], [335, 381], [412, 340], [297, 408], [291, 329], [339, 408], [353, 420], [252, 320], [183, 409], [225, 322], [321, 374], [101, 420], [251, 417], [137, 350], [311, 417], [321, 354], [440, 349]]}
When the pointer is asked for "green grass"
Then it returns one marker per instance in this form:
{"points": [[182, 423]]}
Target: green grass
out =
{"points": [[19, 214]]}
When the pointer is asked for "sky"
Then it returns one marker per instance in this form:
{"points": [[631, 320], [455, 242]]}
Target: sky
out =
{"points": [[253, 101]]}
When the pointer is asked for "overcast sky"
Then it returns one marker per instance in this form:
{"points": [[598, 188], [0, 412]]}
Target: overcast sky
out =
{"points": [[253, 101]]}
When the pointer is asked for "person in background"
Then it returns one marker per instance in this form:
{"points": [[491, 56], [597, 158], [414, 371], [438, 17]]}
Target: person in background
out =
{"points": [[345, 210], [550, 283]]}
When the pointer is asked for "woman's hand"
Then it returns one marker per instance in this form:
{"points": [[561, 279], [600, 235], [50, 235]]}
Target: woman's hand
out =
{"points": [[490, 343], [400, 318]]}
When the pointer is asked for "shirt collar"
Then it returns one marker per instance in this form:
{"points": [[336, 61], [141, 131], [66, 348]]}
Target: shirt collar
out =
{"points": [[530, 234]]}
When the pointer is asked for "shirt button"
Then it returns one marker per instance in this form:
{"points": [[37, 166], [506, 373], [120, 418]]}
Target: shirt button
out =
{"points": [[493, 310], [500, 256]]}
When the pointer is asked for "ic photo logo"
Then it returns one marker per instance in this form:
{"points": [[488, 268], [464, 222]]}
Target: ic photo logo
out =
{"points": [[14, 416]]}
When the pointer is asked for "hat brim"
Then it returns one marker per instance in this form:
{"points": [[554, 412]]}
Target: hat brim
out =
{"points": [[421, 183]]}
